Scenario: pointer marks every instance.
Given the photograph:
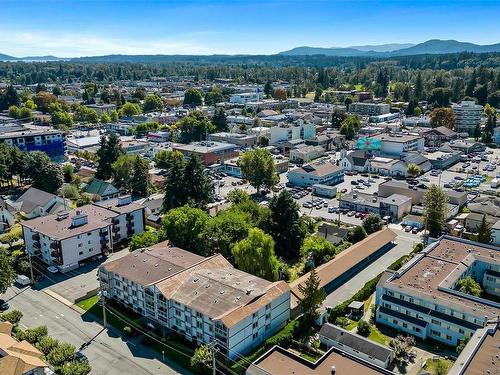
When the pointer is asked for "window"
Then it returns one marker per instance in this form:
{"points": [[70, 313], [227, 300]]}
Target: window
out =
{"points": [[394, 321], [79, 245], [254, 336], [89, 242], [80, 253], [89, 234], [405, 325], [416, 329], [460, 330], [448, 337]]}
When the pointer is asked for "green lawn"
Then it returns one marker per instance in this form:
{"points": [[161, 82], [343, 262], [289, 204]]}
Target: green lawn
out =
{"points": [[377, 336], [87, 304], [367, 303], [431, 365], [309, 357], [353, 324]]}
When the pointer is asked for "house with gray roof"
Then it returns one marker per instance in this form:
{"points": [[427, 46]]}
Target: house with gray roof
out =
{"points": [[35, 202], [356, 345]]}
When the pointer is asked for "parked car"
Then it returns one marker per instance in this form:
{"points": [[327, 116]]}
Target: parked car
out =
{"points": [[4, 305], [351, 213], [81, 357], [408, 228], [52, 269], [23, 280]]}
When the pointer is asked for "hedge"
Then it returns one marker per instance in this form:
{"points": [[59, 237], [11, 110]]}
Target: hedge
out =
{"points": [[363, 294], [282, 338]]}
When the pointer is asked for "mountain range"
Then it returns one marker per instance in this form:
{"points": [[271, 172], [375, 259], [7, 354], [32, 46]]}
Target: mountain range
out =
{"points": [[433, 46]]}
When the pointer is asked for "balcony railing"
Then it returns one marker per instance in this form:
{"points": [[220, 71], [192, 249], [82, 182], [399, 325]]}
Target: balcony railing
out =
{"points": [[35, 237]]}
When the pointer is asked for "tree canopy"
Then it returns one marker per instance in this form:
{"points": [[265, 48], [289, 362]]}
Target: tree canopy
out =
{"points": [[258, 167]]}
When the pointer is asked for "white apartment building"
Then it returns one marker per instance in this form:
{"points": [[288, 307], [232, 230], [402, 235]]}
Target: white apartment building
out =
{"points": [[288, 132], [369, 109], [203, 299], [245, 97], [467, 116], [423, 299], [68, 239]]}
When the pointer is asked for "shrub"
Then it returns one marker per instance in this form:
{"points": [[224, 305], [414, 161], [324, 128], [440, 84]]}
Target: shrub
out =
{"points": [[34, 335], [342, 321], [13, 316], [283, 337], [364, 329], [47, 344], [61, 354]]}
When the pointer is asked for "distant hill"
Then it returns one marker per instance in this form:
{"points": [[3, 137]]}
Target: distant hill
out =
{"points": [[42, 58], [383, 47], [437, 46], [434, 46], [7, 57]]}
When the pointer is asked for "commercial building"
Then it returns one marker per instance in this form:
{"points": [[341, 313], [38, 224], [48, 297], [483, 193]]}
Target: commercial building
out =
{"points": [[324, 172], [20, 358], [423, 300], [242, 140], [384, 118], [369, 109], [69, 239], [467, 116], [306, 154], [102, 108], [396, 205], [208, 151], [398, 144], [202, 299], [232, 168]]}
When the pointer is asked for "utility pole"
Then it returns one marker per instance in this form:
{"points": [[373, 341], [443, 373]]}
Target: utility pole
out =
{"points": [[103, 297]]}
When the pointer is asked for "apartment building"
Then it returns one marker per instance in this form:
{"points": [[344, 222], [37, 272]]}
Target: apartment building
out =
{"points": [[422, 299], [396, 205], [35, 138], [203, 299], [287, 132], [369, 109], [467, 116], [69, 239], [245, 97]]}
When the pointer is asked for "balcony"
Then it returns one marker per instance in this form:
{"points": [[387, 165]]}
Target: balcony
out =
{"points": [[116, 238], [116, 229], [104, 241], [35, 237], [115, 221], [130, 232], [37, 245], [37, 253], [55, 245]]}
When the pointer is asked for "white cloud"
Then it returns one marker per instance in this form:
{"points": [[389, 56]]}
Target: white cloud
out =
{"points": [[31, 43]]}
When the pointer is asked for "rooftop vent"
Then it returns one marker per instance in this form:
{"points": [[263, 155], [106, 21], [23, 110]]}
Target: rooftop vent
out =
{"points": [[79, 219], [62, 215], [124, 200]]}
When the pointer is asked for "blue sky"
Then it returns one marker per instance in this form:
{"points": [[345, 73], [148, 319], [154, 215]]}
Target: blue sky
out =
{"points": [[85, 27]]}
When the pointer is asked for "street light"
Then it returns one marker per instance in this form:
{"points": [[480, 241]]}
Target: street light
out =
{"points": [[103, 294]]}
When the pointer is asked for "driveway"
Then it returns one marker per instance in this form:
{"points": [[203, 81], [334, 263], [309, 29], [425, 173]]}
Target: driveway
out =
{"points": [[404, 246], [77, 284]]}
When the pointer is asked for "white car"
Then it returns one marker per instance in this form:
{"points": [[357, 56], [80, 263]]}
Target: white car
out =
{"points": [[52, 269]]}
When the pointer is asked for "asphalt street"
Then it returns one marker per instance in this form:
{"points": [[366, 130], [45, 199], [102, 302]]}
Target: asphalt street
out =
{"points": [[108, 353]]}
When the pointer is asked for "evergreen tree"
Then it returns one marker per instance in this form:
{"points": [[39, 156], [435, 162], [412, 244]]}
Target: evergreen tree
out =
{"points": [[285, 225], [435, 207], [109, 151], [312, 297], [219, 120], [139, 182], [484, 231]]}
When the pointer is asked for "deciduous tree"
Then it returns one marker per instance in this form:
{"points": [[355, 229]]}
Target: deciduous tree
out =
{"points": [[258, 167]]}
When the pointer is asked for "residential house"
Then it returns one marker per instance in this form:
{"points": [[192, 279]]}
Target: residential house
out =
{"points": [[20, 358], [357, 160], [356, 345], [35, 202], [103, 189]]}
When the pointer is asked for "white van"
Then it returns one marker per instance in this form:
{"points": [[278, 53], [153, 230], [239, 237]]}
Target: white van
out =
{"points": [[23, 280]]}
